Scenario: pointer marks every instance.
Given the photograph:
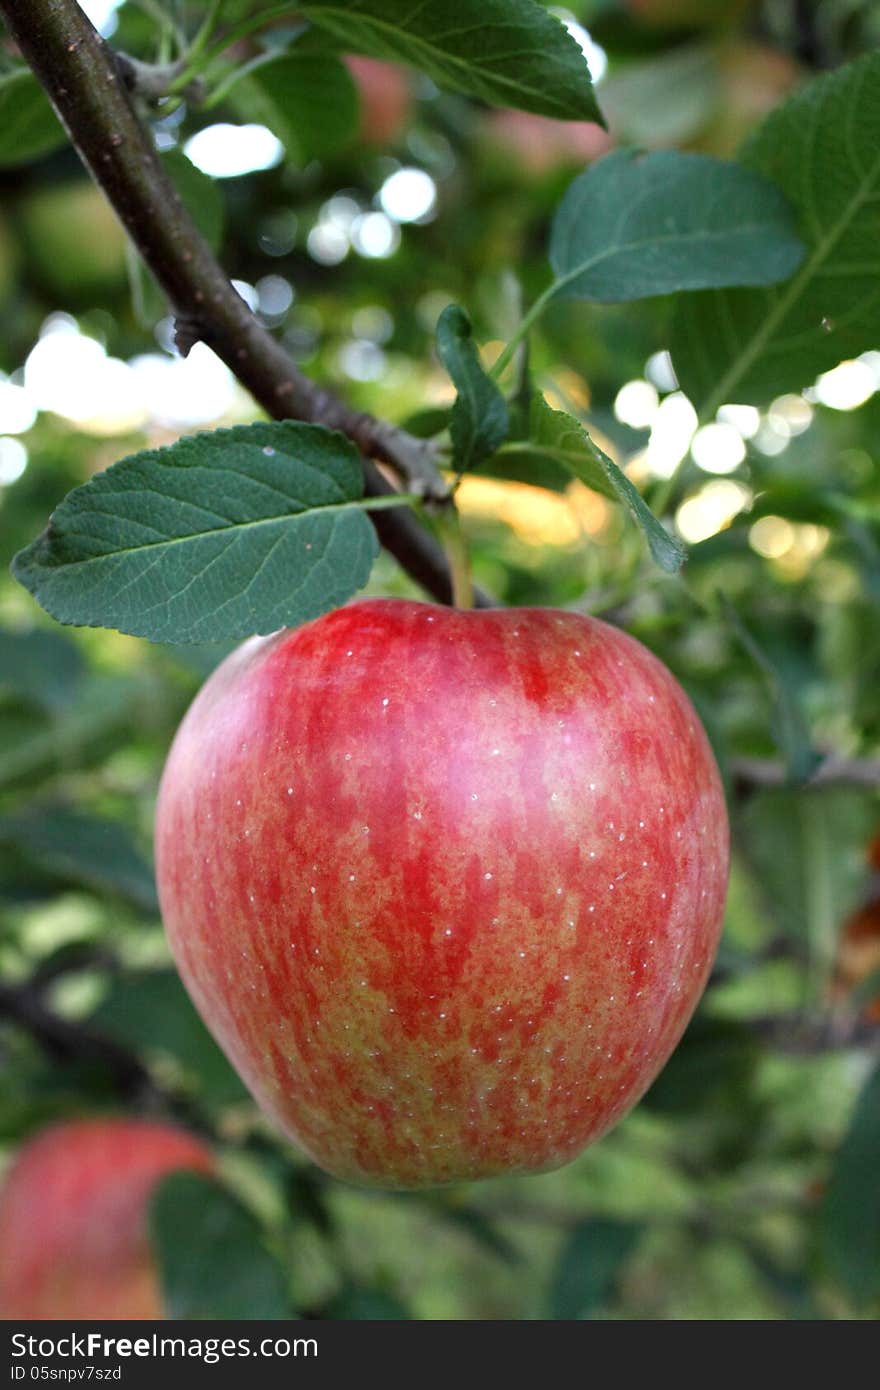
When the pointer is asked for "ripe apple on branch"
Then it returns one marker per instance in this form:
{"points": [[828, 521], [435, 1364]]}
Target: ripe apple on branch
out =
{"points": [[446, 886]]}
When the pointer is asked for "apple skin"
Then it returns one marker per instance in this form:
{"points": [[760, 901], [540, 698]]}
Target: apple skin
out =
{"points": [[445, 886], [73, 1219]]}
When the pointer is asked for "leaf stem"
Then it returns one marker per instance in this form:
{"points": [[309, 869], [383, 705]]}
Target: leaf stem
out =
{"points": [[528, 321], [202, 58], [222, 90]]}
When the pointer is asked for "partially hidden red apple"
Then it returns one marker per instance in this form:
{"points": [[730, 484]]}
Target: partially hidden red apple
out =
{"points": [[541, 144], [385, 99], [73, 1219], [446, 886]]}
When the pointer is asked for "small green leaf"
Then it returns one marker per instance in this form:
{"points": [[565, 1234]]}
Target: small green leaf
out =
{"points": [[308, 100], [633, 226], [588, 1267], [505, 52], [42, 667], [84, 851], [821, 148], [203, 200], [479, 420], [851, 1211], [557, 444], [219, 536], [210, 1252], [29, 127], [668, 553], [560, 439], [787, 722]]}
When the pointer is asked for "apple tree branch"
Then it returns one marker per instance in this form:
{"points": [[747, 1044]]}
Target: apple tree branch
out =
{"points": [[90, 88]]}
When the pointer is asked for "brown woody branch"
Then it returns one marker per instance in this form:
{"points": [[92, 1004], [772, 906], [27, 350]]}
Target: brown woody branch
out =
{"points": [[65, 1040], [89, 88]]}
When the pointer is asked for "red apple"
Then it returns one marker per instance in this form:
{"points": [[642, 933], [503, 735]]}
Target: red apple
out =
{"points": [[445, 886], [73, 1219], [385, 99]]}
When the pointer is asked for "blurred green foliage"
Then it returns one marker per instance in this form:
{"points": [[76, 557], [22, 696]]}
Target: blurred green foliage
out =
{"points": [[744, 1186]]}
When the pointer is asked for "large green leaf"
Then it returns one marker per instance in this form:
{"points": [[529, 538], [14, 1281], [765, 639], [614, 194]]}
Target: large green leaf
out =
{"points": [[479, 420], [28, 125], [212, 1261], [219, 536], [308, 100], [636, 225], [505, 52], [851, 1213], [823, 149], [588, 1266]]}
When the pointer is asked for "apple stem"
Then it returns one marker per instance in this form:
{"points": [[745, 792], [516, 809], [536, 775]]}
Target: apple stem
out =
{"points": [[457, 557]]}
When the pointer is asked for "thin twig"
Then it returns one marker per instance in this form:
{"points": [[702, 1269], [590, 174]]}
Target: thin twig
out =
{"points": [[758, 773], [65, 1040]]}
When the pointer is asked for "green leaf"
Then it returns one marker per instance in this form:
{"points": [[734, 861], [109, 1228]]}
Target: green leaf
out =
{"points": [[479, 420], [83, 850], [589, 1264], [129, 1011], [29, 127], [219, 536], [505, 52], [558, 443], [851, 1210], [308, 100], [787, 722], [633, 226], [203, 200], [821, 147], [200, 195], [41, 667], [210, 1252], [561, 439]]}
